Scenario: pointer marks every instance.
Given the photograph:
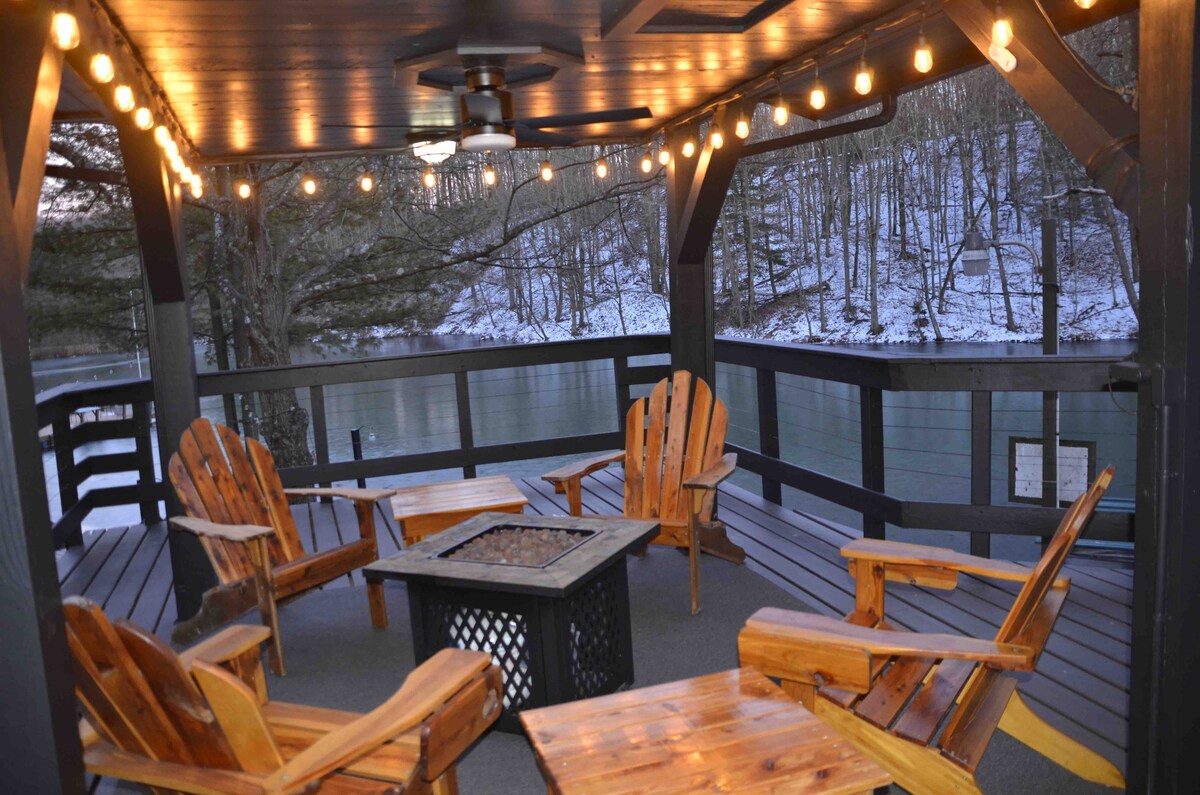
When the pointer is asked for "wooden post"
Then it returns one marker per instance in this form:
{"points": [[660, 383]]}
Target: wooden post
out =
{"points": [[696, 189], [1163, 699], [39, 733], [157, 209]]}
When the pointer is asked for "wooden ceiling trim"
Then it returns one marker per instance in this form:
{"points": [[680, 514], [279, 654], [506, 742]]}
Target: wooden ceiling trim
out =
{"points": [[630, 18]]}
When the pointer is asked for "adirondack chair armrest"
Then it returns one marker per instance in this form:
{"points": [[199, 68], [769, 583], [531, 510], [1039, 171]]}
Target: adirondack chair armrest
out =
{"points": [[423, 692], [225, 532], [935, 567], [579, 469], [357, 495], [104, 759], [710, 479], [228, 644], [824, 635]]}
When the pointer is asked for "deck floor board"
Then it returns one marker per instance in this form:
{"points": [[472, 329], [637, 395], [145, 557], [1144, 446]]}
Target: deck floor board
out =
{"points": [[1081, 685]]}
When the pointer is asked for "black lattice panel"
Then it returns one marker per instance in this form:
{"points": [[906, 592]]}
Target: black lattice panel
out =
{"points": [[596, 655], [502, 634]]}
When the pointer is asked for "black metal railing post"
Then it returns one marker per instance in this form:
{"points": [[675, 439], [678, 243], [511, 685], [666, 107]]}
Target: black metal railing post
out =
{"points": [[64, 460], [356, 451], [316, 403], [145, 462], [768, 430], [871, 416], [466, 434], [621, 381], [981, 465]]}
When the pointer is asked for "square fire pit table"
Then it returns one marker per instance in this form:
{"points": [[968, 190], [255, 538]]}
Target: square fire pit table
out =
{"points": [[556, 623]]}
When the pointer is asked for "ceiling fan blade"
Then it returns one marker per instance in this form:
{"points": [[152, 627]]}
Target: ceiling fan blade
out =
{"points": [[531, 137], [447, 128], [483, 108], [579, 119]]}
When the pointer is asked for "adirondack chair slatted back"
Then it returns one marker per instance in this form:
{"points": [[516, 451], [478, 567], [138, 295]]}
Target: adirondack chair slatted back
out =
{"points": [[219, 479], [137, 695], [676, 443], [1073, 523]]}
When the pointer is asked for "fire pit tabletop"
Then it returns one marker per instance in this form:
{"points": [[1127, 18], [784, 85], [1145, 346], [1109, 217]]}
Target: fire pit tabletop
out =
{"points": [[610, 538]]}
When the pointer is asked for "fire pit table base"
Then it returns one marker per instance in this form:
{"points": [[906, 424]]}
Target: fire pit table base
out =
{"points": [[559, 632]]}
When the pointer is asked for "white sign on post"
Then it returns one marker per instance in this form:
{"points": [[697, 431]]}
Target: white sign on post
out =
{"points": [[1076, 460]]}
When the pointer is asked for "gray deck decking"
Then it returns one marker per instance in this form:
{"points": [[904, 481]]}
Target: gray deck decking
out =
{"points": [[1082, 681]]}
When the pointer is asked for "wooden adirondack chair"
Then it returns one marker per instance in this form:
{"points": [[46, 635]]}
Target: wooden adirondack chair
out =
{"points": [[238, 507], [201, 721], [673, 466], [925, 706]]}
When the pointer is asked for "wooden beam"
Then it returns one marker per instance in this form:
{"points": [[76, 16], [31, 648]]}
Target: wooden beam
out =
{"points": [[102, 176], [1091, 118], [1163, 697], [631, 18], [39, 733]]}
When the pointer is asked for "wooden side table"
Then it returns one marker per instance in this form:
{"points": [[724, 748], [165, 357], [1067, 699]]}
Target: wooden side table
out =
{"points": [[733, 731], [430, 508]]}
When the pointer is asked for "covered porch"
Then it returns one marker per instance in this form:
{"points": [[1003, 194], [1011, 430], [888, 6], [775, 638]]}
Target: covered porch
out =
{"points": [[1125, 645]]}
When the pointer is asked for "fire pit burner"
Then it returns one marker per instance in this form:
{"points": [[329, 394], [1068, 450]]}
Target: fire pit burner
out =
{"points": [[517, 545]]}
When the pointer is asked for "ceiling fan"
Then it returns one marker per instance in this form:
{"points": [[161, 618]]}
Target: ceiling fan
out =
{"points": [[489, 121]]}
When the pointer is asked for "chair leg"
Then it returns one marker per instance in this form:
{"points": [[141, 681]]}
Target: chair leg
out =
{"points": [[379, 617], [1024, 725], [447, 783], [694, 561], [919, 769], [265, 588]]}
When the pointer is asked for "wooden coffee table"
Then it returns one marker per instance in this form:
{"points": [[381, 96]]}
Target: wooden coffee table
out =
{"points": [[733, 731], [430, 508]]}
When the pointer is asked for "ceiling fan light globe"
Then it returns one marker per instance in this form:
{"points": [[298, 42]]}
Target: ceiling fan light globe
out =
{"points": [[434, 152], [488, 141]]}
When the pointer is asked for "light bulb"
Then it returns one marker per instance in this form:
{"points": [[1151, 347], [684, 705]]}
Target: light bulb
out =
{"points": [[123, 98], [716, 137], [816, 97], [428, 178], [1085, 4], [780, 114], [742, 128], [489, 175], [176, 163], [366, 182], [162, 136], [688, 149], [647, 163], [602, 167], [243, 189], [1002, 30], [863, 78], [101, 67], [171, 149], [547, 172], [186, 174], [309, 184], [664, 156], [1003, 58], [64, 30], [197, 187], [143, 119], [923, 57]]}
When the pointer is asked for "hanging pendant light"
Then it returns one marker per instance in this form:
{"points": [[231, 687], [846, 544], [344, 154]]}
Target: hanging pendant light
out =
{"points": [[64, 28], [664, 155], [816, 97], [143, 119], [781, 112], [716, 137], [689, 147], [742, 128], [308, 183], [647, 161], [602, 165], [101, 68], [366, 182], [123, 98], [864, 76], [546, 171]]}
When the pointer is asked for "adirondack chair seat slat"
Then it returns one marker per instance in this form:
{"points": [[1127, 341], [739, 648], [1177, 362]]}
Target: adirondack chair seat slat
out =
{"points": [[224, 480], [926, 706]]}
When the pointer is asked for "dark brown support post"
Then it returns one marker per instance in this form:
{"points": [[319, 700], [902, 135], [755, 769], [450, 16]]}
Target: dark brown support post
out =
{"points": [[1050, 418], [39, 733], [1090, 118], [466, 433], [64, 462], [870, 404], [696, 189], [981, 465], [1164, 699], [145, 459], [621, 381], [157, 209], [316, 410], [768, 430]]}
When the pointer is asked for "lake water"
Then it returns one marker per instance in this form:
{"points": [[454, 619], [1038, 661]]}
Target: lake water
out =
{"points": [[927, 434]]}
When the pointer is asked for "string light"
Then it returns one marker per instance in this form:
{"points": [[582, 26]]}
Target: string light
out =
{"points": [[546, 171], [162, 136], [101, 67], [308, 183], [197, 187], [716, 137], [428, 178], [185, 174], [602, 165], [863, 78], [647, 161], [123, 98], [171, 149], [1002, 30], [64, 28], [489, 175], [923, 57], [664, 156], [742, 128], [243, 189], [816, 97], [366, 182], [143, 119], [1085, 4], [689, 147], [780, 114]]}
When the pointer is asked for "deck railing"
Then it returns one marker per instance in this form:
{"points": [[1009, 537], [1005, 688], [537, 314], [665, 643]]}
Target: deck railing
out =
{"points": [[873, 375]]}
